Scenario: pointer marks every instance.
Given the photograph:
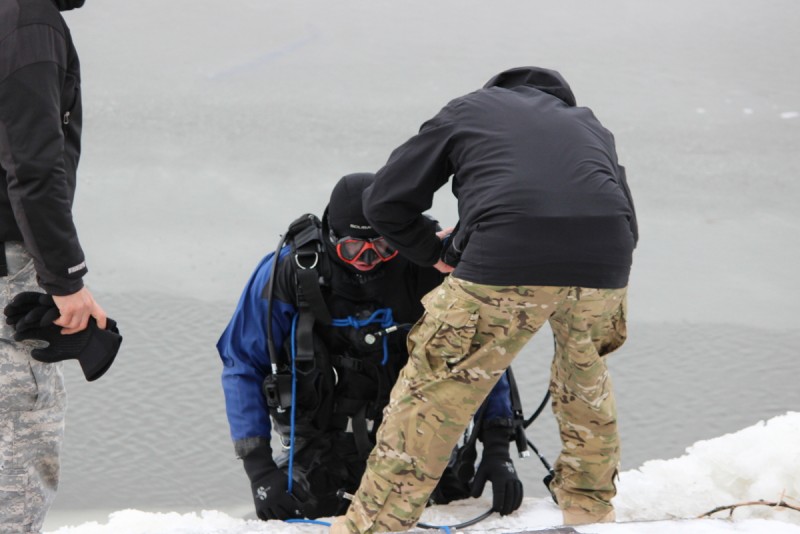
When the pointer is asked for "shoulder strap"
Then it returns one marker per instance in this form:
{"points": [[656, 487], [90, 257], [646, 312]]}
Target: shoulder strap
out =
{"points": [[304, 236], [308, 252]]}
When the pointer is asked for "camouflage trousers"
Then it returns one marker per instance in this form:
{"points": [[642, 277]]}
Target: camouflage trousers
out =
{"points": [[32, 407], [458, 350]]}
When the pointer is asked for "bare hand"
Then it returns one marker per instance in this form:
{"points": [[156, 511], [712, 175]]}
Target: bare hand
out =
{"points": [[442, 267], [75, 310], [441, 234]]}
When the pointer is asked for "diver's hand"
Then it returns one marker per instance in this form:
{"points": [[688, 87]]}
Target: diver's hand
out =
{"points": [[496, 467]]}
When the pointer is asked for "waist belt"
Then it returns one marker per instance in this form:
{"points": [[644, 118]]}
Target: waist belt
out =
{"points": [[3, 264]]}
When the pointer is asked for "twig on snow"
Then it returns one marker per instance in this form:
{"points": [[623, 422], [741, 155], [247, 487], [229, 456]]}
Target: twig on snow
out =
{"points": [[731, 507]]}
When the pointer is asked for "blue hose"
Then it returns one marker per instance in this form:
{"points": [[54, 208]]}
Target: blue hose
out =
{"points": [[382, 316], [309, 521]]}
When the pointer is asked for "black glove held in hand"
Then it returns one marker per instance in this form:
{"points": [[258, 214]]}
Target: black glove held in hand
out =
{"points": [[496, 467], [94, 348], [25, 302], [270, 487]]}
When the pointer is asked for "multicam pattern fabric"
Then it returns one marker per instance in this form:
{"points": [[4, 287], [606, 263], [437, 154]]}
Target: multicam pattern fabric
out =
{"points": [[32, 407], [583, 400], [467, 338]]}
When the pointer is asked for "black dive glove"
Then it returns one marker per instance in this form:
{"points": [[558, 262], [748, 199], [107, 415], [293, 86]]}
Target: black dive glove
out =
{"points": [[270, 487], [497, 468], [23, 303], [32, 315]]}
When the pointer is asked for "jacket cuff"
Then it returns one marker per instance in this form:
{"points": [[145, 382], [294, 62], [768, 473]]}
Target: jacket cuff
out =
{"points": [[62, 287], [245, 447], [437, 255]]}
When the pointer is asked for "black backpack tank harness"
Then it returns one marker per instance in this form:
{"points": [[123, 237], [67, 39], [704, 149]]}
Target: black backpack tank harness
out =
{"points": [[311, 391]]}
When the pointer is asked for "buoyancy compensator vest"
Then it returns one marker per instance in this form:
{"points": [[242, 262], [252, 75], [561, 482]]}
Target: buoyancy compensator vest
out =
{"points": [[330, 373]]}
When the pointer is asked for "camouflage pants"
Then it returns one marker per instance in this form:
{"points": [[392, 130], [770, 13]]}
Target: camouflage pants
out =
{"points": [[32, 407], [458, 350]]}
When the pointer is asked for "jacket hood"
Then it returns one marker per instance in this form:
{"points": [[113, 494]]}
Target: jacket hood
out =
{"points": [[66, 5], [546, 80]]}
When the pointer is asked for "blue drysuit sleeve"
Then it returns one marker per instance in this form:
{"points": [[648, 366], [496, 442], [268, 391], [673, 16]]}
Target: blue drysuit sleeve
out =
{"points": [[245, 356], [498, 403]]}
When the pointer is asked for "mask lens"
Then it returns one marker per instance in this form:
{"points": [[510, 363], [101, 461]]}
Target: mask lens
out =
{"points": [[351, 248], [384, 249]]}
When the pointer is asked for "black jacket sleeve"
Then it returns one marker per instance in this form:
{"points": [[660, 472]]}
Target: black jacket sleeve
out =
{"points": [[623, 180], [38, 150], [403, 189]]}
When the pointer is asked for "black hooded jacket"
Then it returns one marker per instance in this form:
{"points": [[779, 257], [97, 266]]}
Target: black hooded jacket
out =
{"points": [[542, 199], [40, 129]]}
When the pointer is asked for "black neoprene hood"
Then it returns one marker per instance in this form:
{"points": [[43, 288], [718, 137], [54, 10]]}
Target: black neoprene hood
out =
{"points": [[345, 209]]}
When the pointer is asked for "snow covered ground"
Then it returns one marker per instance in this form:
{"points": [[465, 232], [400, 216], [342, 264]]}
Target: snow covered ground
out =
{"points": [[761, 462]]}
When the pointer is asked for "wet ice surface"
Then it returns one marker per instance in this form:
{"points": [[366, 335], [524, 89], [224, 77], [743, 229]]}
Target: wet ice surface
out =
{"points": [[210, 126]]}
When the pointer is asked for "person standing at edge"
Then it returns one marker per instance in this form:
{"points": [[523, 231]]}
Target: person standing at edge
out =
{"points": [[40, 128], [546, 233]]}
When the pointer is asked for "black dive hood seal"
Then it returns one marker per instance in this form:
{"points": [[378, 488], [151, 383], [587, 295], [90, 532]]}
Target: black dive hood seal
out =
{"points": [[546, 80], [66, 5]]}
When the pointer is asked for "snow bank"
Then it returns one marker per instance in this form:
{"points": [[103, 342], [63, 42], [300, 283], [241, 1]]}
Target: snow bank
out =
{"points": [[759, 462]]}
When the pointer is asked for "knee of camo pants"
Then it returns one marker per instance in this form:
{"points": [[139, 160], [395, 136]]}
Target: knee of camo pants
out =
{"points": [[30, 448], [457, 352], [583, 401]]}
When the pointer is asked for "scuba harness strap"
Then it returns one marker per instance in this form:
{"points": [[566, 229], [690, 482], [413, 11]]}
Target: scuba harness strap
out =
{"points": [[307, 250]]}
